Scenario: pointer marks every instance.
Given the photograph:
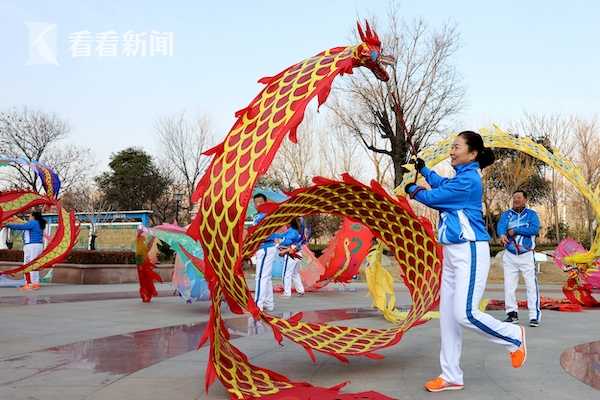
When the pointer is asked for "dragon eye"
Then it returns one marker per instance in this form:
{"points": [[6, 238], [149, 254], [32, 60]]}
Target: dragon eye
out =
{"points": [[374, 55]]}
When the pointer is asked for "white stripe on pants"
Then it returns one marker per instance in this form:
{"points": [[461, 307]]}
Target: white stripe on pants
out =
{"points": [[524, 263], [465, 271], [30, 252], [291, 274], [263, 292]]}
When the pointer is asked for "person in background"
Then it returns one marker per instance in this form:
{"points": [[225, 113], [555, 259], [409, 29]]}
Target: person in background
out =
{"points": [[289, 249], [33, 245], [264, 257], [517, 229]]}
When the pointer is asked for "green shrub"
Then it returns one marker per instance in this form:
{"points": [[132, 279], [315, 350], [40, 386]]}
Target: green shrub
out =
{"points": [[165, 253], [11, 255], [317, 249], [101, 257]]}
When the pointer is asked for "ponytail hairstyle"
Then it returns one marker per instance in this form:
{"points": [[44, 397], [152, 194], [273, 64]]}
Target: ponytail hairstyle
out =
{"points": [[38, 217], [485, 155]]}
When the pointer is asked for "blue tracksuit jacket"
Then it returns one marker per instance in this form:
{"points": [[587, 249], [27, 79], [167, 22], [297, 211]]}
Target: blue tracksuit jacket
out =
{"points": [[291, 237], [525, 224], [270, 242], [32, 232], [458, 200]]}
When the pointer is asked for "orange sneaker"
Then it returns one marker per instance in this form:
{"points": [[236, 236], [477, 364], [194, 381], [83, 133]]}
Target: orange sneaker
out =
{"points": [[25, 288], [519, 356], [440, 385], [35, 286]]}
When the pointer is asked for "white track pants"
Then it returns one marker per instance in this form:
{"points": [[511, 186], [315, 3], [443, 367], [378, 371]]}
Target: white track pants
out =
{"points": [[263, 293], [525, 264], [291, 274], [465, 271], [30, 252]]}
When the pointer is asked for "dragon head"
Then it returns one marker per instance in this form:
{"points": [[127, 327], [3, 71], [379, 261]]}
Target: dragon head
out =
{"points": [[368, 53]]}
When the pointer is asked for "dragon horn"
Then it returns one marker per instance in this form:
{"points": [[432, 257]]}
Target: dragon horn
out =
{"points": [[360, 32], [369, 31], [376, 36]]}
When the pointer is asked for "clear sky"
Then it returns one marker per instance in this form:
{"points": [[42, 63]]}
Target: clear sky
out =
{"points": [[516, 56]]}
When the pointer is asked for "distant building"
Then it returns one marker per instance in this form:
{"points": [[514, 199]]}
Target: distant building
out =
{"points": [[106, 230], [137, 217]]}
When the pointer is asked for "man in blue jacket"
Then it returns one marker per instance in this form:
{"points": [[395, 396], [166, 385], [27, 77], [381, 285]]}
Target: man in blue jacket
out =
{"points": [[517, 229], [264, 257]]}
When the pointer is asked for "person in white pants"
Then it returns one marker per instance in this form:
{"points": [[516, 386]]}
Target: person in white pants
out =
{"points": [[466, 263], [33, 245], [292, 276], [263, 292], [288, 248], [517, 229], [264, 257], [30, 252]]}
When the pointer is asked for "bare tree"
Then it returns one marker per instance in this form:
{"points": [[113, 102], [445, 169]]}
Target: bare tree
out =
{"points": [[39, 136], [167, 208], [73, 165], [324, 148], [182, 143], [295, 164], [509, 175], [557, 131], [163, 210], [381, 163], [424, 92], [502, 179], [587, 137], [92, 206], [338, 153]]}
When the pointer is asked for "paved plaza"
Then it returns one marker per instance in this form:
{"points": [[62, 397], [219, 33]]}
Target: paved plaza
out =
{"points": [[102, 343]]}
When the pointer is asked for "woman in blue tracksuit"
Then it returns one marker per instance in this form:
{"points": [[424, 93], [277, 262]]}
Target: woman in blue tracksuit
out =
{"points": [[33, 245], [466, 263], [289, 248]]}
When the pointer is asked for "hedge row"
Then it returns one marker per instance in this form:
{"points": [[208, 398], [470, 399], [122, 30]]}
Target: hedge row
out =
{"points": [[128, 257], [81, 257]]}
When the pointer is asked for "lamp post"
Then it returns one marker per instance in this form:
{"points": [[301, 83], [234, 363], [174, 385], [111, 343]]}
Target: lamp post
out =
{"points": [[178, 198]]}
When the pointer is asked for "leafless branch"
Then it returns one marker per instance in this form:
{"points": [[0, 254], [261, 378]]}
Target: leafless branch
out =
{"points": [[423, 94], [182, 144], [39, 136]]}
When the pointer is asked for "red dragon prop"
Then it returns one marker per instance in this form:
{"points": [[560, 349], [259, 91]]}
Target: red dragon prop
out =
{"points": [[65, 237], [224, 192]]}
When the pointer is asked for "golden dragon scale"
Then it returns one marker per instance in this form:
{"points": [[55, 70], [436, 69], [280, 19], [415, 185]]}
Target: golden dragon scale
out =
{"points": [[496, 137], [223, 194], [15, 202], [63, 240], [395, 224]]}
